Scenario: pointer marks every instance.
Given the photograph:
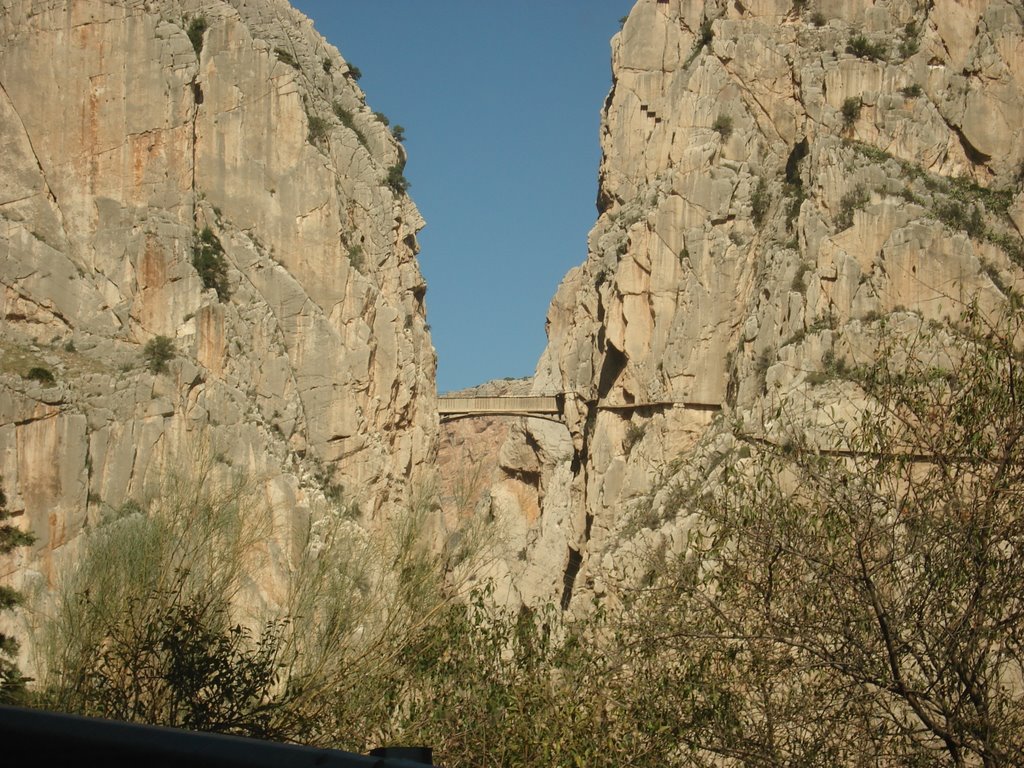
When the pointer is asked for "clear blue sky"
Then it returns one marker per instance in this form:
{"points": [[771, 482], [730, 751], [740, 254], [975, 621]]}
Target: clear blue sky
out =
{"points": [[501, 104]]}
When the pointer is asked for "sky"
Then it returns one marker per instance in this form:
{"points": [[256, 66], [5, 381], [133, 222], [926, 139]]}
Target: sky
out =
{"points": [[501, 105]]}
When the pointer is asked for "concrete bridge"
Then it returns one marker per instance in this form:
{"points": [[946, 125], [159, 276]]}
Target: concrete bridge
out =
{"points": [[541, 406]]}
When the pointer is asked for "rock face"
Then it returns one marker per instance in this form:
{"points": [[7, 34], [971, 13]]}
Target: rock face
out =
{"points": [[468, 452], [206, 171], [777, 179]]}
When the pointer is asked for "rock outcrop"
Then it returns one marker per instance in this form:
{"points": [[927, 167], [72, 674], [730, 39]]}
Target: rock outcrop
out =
{"points": [[777, 179], [206, 171]]}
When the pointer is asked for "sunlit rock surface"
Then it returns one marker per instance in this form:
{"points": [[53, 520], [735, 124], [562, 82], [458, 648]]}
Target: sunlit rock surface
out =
{"points": [[123, 141], [771, 189]]}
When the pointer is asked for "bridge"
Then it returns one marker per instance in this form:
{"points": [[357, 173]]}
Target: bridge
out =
{"points": [[550, 407], [541, 406]]}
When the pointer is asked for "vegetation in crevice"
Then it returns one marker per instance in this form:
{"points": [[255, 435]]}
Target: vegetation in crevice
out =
{"points": [[723, 125], [863, 48], [196, 29], [705, 34], [210, 262], [347, 120], [319, 129], [356, 257], [41, 374], [285, 57], [852, 201], [157, 352], [760, 201], [958, 202], [910, 40], [396, 180], [851, 111]]}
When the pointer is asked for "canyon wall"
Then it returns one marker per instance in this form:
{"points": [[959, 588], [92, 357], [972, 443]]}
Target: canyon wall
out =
{"points": [[207, 171], [778, 179]]}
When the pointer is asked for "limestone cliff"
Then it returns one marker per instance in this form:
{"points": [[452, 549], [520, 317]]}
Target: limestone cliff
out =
{"points": [[777, 179], [206, 171]]}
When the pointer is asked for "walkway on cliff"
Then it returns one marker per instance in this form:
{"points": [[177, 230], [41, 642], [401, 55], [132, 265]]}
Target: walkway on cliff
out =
{"points": [[541, 406]]}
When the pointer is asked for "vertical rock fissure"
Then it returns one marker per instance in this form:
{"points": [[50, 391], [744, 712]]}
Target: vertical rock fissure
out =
{"points": [[197, 99]]}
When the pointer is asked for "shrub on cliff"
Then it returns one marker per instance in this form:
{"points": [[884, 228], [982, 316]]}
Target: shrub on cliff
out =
{"points": [[40, 374], [723, 125], [196, 29], [209, 260], [157, 353], [863, 48], [396, 179], [850, 111]]}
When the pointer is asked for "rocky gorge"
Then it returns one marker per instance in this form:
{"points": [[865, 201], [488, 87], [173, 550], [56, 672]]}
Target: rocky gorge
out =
{"points": [[779, 180]]}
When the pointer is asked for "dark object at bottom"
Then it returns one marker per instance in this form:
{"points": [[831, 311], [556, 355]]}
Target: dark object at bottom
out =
{"points": [[424, 755], [65, 741]]}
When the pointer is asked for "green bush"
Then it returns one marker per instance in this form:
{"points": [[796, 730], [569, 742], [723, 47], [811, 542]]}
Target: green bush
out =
{"points": [[912, 91], [42, 375], [354, 72], [911, 40], [399, 133], [818, 19], [209, 260], [799, 283], [396, 179], [196, 29], [157, 353], [850, 111], [348, 121], [852, 201], [723, 124], [634, 434], [319, 129], [760, 201], [957, 215], [705, 34], [285, 57], [355, 257], [862, 48], [796, 196]]}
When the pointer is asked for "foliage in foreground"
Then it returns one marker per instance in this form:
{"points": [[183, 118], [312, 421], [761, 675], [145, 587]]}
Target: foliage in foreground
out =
{"points": [[860, 606], [12, 681], [863, 607]]}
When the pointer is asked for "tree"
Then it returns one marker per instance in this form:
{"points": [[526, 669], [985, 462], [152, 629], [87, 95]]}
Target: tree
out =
{"points": [[12, 682], [175, 658], [157, 352], [142, 628], [863, 604]]}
